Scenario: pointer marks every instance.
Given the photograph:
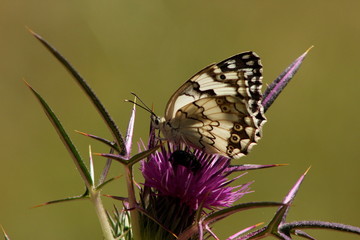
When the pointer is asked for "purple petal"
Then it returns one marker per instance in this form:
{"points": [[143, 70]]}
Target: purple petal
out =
{"points": [[207, 187]]}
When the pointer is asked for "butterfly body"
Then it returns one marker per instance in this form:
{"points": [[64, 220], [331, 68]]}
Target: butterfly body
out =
{"points": [[219, 109]]}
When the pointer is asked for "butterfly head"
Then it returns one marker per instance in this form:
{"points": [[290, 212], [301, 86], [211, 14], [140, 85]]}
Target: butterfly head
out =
{"points": [[164, 127], [157, 122]]}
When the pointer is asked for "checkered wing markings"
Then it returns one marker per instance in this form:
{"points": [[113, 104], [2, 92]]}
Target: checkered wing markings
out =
{"points": [[218, 125], [219, 109], [221, 79]]}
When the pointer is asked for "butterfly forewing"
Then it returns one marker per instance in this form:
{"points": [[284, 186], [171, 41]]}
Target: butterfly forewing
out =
{"points": [[219, 109]]}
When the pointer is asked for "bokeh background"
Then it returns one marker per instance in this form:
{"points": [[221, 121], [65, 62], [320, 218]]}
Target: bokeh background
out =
{"points": [[151, 48]]}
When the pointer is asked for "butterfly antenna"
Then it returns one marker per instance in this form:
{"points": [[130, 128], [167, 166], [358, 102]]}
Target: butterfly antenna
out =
{"points": [[146, 108], [149, 110], [131, 101]]}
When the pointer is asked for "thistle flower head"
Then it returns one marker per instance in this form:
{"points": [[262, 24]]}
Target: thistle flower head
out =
{"points": [[181, 182], [194, 178]]}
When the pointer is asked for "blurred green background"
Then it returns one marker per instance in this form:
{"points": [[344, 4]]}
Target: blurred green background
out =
{"points": [[151, 48]]}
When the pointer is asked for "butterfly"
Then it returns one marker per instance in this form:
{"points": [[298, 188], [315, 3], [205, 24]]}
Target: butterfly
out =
{"points": [[219, 109]]}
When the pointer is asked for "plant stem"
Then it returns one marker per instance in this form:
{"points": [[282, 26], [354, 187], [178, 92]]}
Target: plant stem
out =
{"points": [[135, 219], [100, 211]]}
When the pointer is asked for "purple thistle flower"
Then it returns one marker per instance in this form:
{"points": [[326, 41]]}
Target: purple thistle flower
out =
{"points": [[179, 183], [207, 186]]}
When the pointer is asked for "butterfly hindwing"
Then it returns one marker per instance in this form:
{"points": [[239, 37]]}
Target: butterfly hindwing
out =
{"points": [[218, 125]]}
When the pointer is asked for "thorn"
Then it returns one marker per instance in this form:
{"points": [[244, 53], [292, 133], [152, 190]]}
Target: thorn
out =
{"points": [[26, 83], [82, 133], [2, 228], [40, 205], [29, 29], [309, 49], [281, 164], [307, 170], [258, 224], [34, 33]]}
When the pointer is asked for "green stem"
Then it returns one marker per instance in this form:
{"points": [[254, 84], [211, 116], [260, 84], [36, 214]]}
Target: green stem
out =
{"points": [[135, 218], [100, 211]]}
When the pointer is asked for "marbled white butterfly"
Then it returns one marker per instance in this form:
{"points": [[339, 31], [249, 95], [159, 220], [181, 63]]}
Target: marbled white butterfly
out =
{"points": [[219, 109]]}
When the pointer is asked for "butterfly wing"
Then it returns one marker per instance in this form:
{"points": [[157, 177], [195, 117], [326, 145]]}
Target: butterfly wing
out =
{"points": [[220, 125], [219, 109], [238, 76]]}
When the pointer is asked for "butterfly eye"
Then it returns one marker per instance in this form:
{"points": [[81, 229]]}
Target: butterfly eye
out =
{"points": [[156, 121]]}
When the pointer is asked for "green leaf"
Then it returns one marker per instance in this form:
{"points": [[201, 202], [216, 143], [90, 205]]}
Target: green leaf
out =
{"points": [[80, 165], [91, 166], [115, 157], [117, 198], [106, 182], [83, 196], [137, 157], [89, 92], [111, 144], [106, 169], [218, 215], [280, 215], [273, 226], [294, 227], [120, 223]]}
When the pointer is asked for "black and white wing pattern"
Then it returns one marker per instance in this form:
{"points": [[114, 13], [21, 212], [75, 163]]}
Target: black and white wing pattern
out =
{"points": [[219, 109]]}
